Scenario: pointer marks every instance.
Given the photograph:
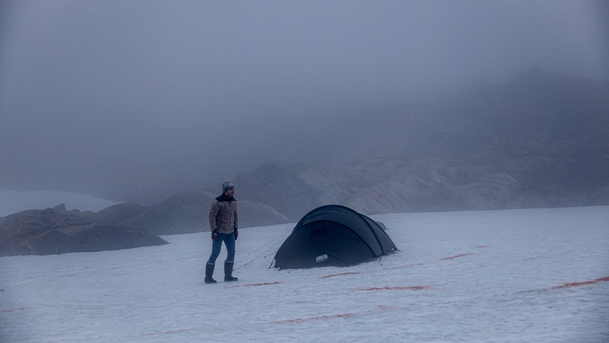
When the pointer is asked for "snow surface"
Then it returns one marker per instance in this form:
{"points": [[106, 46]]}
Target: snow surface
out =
{"points": [[493, 276]]}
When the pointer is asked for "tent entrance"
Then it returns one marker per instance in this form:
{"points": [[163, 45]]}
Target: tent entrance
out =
{"points": [[329, 244]]}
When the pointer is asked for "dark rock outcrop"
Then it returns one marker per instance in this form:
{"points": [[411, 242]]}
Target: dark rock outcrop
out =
{"points": [[44, 232]]}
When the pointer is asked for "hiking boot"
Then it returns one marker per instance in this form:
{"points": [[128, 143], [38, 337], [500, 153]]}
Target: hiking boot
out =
{"points": [[228, 271], [209, 271]]}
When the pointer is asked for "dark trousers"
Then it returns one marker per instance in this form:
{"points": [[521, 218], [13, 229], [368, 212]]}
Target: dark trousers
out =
{"points": [[229, 241]]}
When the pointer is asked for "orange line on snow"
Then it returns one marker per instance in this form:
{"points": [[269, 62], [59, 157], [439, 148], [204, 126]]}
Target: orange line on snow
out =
{"points": [[406, 266], [411, 288], [332, 316], [575, 284], [15, 309], [456, 256], [257, 284], [347, 273], [170, 332]]}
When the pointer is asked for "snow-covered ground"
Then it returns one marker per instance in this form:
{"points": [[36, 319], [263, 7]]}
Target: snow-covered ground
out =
{"points": [[497, 276]]}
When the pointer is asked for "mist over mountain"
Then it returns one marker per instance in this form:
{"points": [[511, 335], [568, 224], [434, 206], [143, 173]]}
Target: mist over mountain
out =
{"points": [[536, 105], [140, 101], [539, 140]]}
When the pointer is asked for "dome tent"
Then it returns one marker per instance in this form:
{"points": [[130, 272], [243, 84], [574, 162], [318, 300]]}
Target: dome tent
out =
{"points": [[333, 235]]}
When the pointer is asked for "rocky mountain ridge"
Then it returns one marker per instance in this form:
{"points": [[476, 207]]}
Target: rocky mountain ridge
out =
{"points": [[539, 140]]}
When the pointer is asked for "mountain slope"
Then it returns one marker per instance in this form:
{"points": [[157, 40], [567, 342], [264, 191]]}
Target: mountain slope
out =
{"points": [[539, 140]]}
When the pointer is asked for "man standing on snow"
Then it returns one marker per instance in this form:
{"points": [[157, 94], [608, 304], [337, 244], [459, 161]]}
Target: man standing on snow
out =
{"points": [[223, 222]]}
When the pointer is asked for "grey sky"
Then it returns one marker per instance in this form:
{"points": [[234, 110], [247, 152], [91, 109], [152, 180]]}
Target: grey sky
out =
{"points": [[102, 87]]}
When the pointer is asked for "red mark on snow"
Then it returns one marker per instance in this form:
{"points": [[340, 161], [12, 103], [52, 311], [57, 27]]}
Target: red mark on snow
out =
{"points": [[263, 284], [576, 284], [410, 288], [481, 246], [300, 320], [14, 310], [257, 284], [332, 316], [406, 266], [457, 256], [170, 332], [348, 273]]}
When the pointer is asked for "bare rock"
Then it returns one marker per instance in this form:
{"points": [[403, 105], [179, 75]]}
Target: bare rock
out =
{"points": [[44, 232]]}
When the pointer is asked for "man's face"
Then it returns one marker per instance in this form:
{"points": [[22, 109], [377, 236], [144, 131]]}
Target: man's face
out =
{"points": [[230, 192]]}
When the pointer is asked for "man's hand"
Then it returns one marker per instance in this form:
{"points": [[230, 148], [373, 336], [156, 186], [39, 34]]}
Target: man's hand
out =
{"points": [[236, 233], [214, 235]]}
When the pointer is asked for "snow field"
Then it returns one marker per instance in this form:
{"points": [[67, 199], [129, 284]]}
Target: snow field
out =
{"points": [[496, 276]]}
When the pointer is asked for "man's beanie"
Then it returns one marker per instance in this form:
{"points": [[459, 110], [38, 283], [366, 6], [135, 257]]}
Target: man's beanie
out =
{"points": [[226, 186]]}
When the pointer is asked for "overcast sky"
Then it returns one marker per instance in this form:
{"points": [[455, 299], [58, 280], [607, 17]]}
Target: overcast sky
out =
{"points": [[88, 87]]}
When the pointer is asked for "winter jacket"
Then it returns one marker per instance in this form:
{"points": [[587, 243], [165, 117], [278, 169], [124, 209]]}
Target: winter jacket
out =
{"points": [[223, 214]]}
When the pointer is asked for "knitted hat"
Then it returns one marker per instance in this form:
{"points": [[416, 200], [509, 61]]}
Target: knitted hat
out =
{"points": [[226, 186]]}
